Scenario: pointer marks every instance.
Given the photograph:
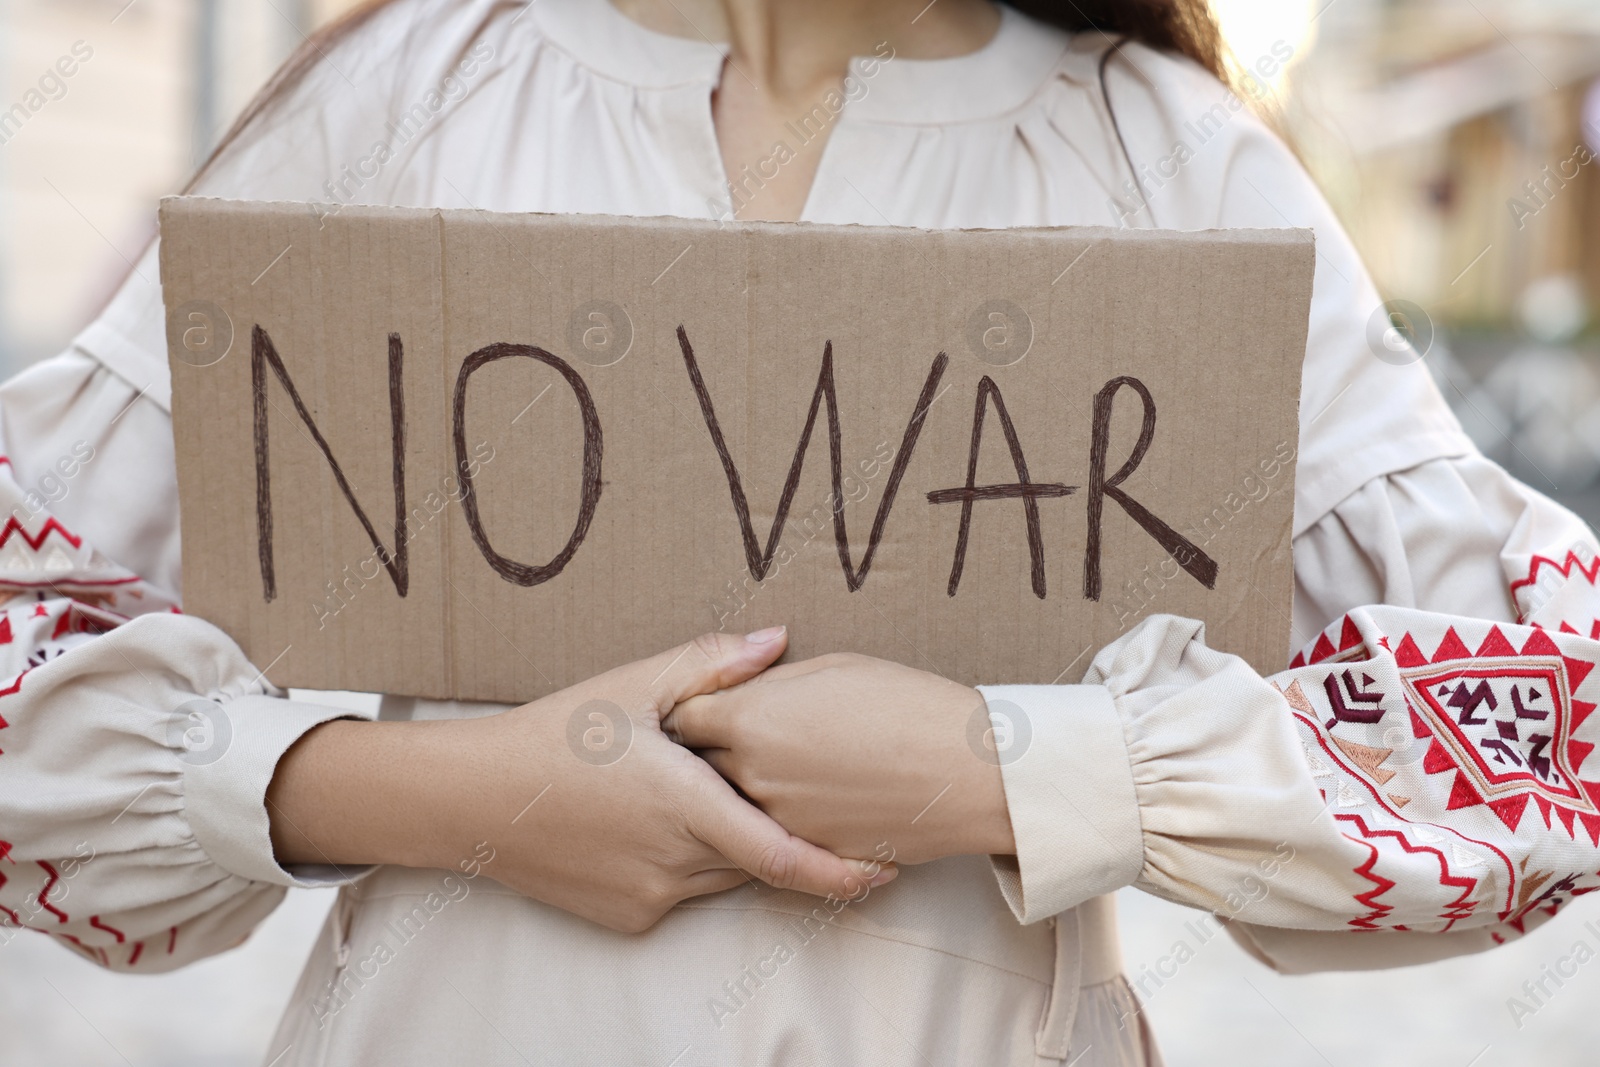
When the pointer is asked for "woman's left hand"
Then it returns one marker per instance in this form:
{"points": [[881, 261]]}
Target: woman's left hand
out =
{"points": [[852, 753]]}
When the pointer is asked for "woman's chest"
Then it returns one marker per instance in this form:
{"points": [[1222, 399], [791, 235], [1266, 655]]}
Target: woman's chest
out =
{"points": [[557, 144]]}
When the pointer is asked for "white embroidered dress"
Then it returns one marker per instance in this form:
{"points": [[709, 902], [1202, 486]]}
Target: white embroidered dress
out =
{"points": [[1414, 785]]}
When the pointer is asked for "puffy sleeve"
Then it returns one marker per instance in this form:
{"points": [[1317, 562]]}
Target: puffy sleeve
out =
{"points": [[137, 743], [1417, 783], [1414, 786]]}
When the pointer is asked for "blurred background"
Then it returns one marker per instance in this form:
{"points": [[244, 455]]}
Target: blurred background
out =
{"points": [[1455, 139]]}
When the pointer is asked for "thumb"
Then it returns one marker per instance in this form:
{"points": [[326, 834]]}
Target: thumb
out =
{"points": [[708, 663], [749, 839]]}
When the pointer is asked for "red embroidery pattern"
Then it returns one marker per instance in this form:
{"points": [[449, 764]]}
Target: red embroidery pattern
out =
{"points": [[56, 592], [1502, 722], [15, 920], [1351, 646], [1495, 725], [1564, 567], [44, 893], [35, 541], [1457, 909]]}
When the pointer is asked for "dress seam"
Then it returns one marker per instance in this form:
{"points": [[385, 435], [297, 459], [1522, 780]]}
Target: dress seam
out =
{"points": [[880, 937]]}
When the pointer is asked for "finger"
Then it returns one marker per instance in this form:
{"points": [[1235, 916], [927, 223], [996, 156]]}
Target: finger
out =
{"points": [[702, 721], [869, 868], [705, 721], [721, 761], [708, 663], [755, 843], [785, 671], [714, 881]]}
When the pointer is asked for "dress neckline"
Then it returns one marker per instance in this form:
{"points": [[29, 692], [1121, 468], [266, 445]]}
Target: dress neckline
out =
{"points": [[996, 79]]}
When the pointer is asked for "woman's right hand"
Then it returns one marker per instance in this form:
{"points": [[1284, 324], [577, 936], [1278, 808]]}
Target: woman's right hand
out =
{"points": [[587, 804]]}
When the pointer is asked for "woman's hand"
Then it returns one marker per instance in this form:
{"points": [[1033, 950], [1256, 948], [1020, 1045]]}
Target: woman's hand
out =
{"points": [[587, 805], [850, 752]]}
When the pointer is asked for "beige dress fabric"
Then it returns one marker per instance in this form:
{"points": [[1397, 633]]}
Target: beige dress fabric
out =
{"points": [[1174, 768]]}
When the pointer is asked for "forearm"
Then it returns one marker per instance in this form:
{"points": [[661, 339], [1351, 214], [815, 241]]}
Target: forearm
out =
{"points": [[357, 792], [619, 840]]}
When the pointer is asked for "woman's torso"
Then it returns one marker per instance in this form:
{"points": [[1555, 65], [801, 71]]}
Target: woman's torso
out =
{"points": [[423, 967], [582, 111], [566, 106]]}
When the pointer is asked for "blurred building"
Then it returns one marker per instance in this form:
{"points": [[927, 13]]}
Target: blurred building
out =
{"points": [[1441, 136], [1459, 143], [85, 155]]}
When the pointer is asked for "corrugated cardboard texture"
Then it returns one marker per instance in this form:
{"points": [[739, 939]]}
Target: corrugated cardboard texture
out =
{"points": [[575, 367]]}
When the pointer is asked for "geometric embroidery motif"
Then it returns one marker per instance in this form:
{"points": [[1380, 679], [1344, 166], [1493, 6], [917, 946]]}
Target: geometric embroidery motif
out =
{"points": [[1350, 700], [1498, 719], [1504, 725]]}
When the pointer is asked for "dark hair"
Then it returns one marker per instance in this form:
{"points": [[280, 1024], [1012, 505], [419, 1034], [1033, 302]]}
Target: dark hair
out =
{"points": [[1183, 27]]}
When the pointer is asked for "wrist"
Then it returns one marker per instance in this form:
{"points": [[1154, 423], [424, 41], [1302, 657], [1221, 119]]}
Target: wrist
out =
{"points": [[986, 829], [983, 819], [358, 792]]}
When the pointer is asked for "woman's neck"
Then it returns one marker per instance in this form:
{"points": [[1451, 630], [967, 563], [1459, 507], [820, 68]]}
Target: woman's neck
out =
{"points": [[788, 48], [786, 59]]}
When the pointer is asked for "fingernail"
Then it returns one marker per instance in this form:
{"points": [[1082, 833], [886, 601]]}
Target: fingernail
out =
{"points": [[884, 877], [762, 637]]}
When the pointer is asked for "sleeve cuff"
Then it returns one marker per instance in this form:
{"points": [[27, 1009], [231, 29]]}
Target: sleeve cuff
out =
{"points": [[1318, 951], [225, 794], [1069, 788]]}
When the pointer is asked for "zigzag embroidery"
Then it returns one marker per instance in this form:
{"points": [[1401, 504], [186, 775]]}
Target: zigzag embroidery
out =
{"points": [[1460, 908], [60, 915], [66, 586], [1383, 809], [94, 921], [14, 685], [6, 639], [1351, 646], [1589, 570], [34, 541], [1510, 808], [5, 850], [1408, 654]]}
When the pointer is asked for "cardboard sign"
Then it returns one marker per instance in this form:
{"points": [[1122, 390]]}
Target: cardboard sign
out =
{"points": [[458, 454]]}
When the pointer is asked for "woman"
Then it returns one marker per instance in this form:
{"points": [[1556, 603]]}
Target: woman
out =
{"points": [[621, 921]]}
